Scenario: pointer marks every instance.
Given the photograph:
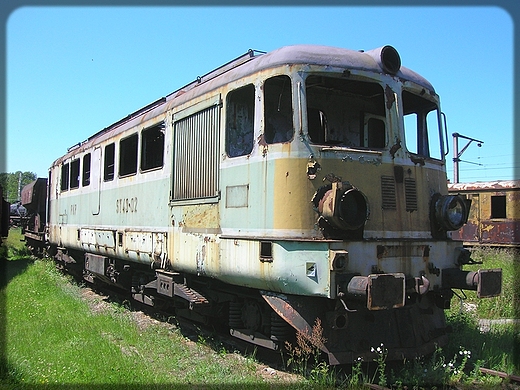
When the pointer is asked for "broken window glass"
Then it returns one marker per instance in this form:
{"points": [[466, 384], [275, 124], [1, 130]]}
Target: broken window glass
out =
{"points": [[240, 121], [344, 112], [278, 112]]}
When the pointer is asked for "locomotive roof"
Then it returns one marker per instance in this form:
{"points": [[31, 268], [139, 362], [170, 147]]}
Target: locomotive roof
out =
{"points": [[334, 57], [331, 57], [254, 61]]}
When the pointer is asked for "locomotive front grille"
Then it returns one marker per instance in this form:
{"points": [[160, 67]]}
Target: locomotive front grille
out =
{"points": [[410, 193], [388, 193]]}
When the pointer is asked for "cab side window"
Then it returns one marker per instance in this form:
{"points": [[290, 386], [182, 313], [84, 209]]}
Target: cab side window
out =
{"points": [[278, 112], [240, 121]]}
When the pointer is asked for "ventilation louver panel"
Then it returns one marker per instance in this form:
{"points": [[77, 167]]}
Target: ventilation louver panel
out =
{"points": [[388, 193], [196, 164], [410, 192]]}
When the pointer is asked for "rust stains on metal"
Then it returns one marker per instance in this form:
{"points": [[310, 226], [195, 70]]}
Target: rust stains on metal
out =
{"points": [[390, 97]]}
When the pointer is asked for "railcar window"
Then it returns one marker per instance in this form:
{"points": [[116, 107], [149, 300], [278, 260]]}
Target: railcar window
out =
{"points": [[152, 148], [498, 206], [74, 174], [64, 177], [86, 170], [278, 110], [421, 126], [128, 155], [345, 112], [240, 121], [109, 162]]}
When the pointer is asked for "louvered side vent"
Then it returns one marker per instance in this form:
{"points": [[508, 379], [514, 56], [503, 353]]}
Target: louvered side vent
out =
{"points": [[388, 193], [196, 163], [410, 192]]}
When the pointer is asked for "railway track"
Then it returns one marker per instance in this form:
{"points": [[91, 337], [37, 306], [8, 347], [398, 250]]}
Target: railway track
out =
{"points": [[214, 335]]}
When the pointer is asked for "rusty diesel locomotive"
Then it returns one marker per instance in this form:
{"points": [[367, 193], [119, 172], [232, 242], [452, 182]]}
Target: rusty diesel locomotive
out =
{"points": [[282, 188]]}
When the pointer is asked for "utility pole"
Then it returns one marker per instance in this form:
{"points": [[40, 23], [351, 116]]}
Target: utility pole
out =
{"points": [[19, 185], [457, 154]]}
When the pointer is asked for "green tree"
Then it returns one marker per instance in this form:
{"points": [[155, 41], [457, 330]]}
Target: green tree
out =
{"points": [[12, 183]]}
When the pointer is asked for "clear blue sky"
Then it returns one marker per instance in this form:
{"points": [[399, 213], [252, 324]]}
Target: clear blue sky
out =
{"points": [[71, 71]]}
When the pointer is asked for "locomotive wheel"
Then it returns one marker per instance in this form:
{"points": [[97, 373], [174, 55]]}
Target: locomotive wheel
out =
{"points": [[251, 316], [235, 315], [280, 330]]}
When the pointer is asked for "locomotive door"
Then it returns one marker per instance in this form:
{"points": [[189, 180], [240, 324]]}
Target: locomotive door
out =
{"points": [[475, 204], [95, 180]]}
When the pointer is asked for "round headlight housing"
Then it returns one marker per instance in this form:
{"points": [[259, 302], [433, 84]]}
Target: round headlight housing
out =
{"points": [[352, 209], [342, 205], [451, 212]]}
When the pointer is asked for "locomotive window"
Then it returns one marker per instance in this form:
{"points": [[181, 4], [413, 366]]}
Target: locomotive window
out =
{"points": [[64, 177], [278, 111], [74, 174], [421, 126], [374, 133], [109, 162], [498, 206], [345, 112], [128, 155], [240, 121], [317, 123], [152, 148], [86, 170]]}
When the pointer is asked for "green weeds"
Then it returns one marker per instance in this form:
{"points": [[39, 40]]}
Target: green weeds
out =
{"points": [[53, 336]]}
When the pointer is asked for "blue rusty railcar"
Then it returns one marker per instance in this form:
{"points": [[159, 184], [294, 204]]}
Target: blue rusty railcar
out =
{"points": [[303, 184]]}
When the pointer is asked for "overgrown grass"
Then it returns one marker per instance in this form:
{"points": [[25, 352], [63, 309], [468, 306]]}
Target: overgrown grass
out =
{"points": [[469, 347], [14, 246], [53, 337], [507, 305], [498, 347]]}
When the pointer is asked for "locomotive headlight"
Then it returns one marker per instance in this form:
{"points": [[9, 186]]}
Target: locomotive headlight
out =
{"points": [[342, 205], [451, 212], [339, 260], [352, 209]]}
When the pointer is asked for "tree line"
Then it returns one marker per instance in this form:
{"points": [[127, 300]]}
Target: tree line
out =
{"points": [[12, 183]]}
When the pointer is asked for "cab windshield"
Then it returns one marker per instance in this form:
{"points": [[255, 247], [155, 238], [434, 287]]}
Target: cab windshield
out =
{"points": [[422, 126], [345, 112]]}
